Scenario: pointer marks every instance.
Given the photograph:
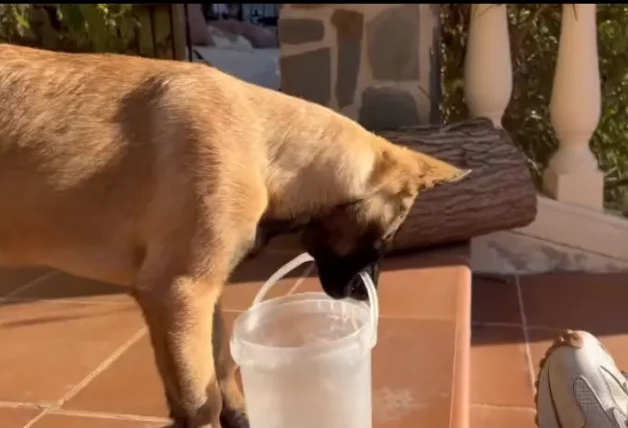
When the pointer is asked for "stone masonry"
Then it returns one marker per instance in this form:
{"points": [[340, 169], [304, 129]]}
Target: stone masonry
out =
{"points": [[376, 63]]}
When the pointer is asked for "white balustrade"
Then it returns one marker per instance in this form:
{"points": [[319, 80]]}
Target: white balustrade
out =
{"points": [[488, 68], [572, 174]]}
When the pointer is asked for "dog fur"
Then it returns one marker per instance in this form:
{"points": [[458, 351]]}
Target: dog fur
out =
{"points": [[163, 175]]}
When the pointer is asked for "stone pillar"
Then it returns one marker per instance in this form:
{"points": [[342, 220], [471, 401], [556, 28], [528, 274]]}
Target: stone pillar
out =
{"points": [[376, 63]]}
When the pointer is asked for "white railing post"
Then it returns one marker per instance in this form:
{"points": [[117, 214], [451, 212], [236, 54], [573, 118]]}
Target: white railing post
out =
{"points": [[572, 174], [488, 68]]}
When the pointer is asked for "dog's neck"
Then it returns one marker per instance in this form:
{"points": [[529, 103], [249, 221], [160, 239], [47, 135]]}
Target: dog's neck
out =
{"points": [[312, 169]]}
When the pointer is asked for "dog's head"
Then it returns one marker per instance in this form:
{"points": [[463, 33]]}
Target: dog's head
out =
{"points": [[351, 237]]}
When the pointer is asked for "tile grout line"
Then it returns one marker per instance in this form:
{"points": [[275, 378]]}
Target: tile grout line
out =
{"points": [[87, 379], [24, 405], [502, 407], [496, 324], [110, 416], [526, 333], [104, 365], [37, 418], [514, 325], [68, 300], [28, 285]]}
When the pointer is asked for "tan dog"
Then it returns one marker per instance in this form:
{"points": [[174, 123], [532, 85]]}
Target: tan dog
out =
{"points": [[162, 175]]}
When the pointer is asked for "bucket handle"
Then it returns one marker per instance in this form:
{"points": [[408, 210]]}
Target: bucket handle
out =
{"points": [[304, 258]]}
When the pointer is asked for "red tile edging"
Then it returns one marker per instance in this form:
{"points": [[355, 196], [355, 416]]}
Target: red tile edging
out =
{"points": [[460, 412]]}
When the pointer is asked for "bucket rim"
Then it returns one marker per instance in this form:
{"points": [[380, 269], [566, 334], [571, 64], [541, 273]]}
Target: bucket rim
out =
{"points": [[305, 258], [321, 349]]}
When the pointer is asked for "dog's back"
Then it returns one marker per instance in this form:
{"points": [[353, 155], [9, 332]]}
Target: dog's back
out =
{"points": [[90, 145]]}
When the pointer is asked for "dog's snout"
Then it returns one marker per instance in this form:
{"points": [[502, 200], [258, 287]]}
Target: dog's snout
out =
{"points": [[340, 276]]}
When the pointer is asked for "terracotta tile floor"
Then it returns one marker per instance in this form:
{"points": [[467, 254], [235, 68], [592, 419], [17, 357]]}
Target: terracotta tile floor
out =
{"points": [[74, 354], [509, 310]]}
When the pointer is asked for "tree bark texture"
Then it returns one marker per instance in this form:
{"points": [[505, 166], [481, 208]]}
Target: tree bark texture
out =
{"points": [[498, 194]]}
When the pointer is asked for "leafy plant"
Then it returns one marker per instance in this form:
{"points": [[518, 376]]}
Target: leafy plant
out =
{"points": [[101, 27], [13, 21], [70, 27]]}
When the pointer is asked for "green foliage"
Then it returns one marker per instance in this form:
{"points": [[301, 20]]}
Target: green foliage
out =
{"points": [[70, 27], [100, 27], [534, 34], [13, 21]]}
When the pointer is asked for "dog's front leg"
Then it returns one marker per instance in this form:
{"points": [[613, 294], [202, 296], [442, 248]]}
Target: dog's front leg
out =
{"points": [[233, 411], [179, 314]]}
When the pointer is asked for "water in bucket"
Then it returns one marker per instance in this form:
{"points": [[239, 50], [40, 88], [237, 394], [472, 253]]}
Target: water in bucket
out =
{"points": [[305, 359]]}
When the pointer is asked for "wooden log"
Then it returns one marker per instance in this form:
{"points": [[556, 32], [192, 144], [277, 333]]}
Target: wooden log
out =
{"points": [[498, 194]]}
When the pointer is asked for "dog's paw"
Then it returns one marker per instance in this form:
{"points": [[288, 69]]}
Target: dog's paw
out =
{"points": [[234, 419], [185, 423]]}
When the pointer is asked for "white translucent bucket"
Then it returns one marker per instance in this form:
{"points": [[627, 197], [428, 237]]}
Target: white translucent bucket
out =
{"points": [[305, 358]]}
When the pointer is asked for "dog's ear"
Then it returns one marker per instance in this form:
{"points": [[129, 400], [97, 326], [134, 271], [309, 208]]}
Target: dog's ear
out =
{"points": [[431, 171], [400, 170], [398, 176]]}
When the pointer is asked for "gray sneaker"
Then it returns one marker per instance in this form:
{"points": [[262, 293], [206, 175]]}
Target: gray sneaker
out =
{"points": [[580, 386]]}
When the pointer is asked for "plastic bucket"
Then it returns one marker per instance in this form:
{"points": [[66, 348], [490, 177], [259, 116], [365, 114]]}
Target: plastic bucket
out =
{"points": [[305, 359]]}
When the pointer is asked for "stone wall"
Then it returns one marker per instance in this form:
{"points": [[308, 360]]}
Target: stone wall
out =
{"points": [[376, 63]]}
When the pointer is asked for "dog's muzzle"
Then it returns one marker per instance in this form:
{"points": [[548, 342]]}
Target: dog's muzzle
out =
{"points": [[340, 276]]}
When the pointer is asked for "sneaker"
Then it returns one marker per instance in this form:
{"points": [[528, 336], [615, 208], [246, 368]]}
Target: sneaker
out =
{"points": [[580, 386]]}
